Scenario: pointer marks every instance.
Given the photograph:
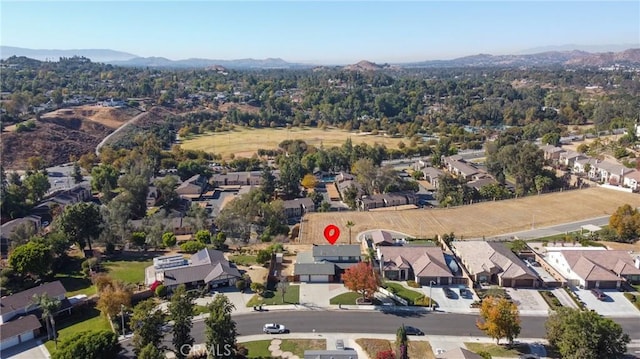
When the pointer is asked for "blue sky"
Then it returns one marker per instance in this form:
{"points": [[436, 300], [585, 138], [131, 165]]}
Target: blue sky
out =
{"points": [[317, 31]]}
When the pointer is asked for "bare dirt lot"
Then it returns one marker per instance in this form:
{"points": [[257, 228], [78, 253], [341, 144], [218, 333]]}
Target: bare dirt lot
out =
{"points": [[482, 219]]}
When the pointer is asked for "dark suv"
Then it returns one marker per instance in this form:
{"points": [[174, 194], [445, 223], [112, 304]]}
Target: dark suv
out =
{"points": [[599, 294]]}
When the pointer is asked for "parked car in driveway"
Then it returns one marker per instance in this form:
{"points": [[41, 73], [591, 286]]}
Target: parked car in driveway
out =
{"points": [[465, 293], [449, 293], [598, 294], [339, 344], [274, 328], [413, 330]]}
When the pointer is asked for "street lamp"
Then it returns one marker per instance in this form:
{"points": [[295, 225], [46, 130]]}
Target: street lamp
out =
{"points": [[122, 315], [430, 297]]}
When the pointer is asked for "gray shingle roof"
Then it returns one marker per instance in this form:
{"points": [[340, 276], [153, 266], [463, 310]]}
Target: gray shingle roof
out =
{"points": [[18, 326], [206, 265], [339, 250], [314, 268], [25, 298]]}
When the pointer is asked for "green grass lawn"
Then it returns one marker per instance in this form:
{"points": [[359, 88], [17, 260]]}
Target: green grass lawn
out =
{"points": [[291, 296], [550, 298], [258, 348], [348, 298], [129, 271], [81, 320], [501, 351], [73, 279], [404, 293], [298, 346], [636, 287], [244, 259]]}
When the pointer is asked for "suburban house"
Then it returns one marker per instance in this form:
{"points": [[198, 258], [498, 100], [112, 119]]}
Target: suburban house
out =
{"points": [[386, 200], [632, 180], [457, 166], [552, 153], [378, 238], [584, 165], [245, 178], [458, 353], [346, 184], [298, 207], [325, 263], [206, 268], [71, 196], [7, 229], [609, 172], [568, 158], [420, 264], [593, 267], [193, 187], [19, 315], [431, 175], [493, 262]]}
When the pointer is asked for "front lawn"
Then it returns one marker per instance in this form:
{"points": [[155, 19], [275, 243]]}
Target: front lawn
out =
{"points": [[81, 320], [502, 351], [298, 346], [348, 298], [495, 292], [244, 260], [404, 293], [73, 279], [420, 349], [128, 271], [291, 296], [258, 348], [417, 349], [373, 346]]}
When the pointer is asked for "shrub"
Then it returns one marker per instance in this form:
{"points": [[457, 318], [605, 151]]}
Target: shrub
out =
{"points": [[484, 355], [631, 297], [161, 291], [169, 239], [192, 246], [263, 256], [241, 285], [424, 302], [413, 284], [89, 265]]}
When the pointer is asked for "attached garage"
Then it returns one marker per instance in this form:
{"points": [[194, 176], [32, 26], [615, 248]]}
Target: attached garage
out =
{"points": [[18, 331], [314, 272], [607, 284], [523, 283]]}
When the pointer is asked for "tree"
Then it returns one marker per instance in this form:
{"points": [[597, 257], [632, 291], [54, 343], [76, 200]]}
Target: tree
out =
{"points": [[113, 295], [146, 322], [268, 182], [361, 279], [37, 184], [77, 173], [257, 287], [402, 343], [518, 246], [101, 344], [203, 236], [626, 222], [585, 335], [81, 222], [218, 241], [104, 177], [181, 313], [499, 319], [169, 239], [542, 183], [192, 246], [350, 224], [167, 188], [263, 256], [309, 181], [150, 351], [49, 306], [139, 239], [290, 175], [220, 328], [551, 138], [33, 258], [366, 172]]}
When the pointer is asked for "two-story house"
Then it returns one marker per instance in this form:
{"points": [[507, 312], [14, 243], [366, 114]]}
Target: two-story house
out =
{"points": [[326, 263]]}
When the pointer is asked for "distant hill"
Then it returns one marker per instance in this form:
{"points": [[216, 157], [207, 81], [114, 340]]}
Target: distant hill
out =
{"points": [[269, 63], [96, 55], [368, 66], [586, 48]]}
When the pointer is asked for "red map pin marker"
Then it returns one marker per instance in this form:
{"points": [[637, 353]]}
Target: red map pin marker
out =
{"points": [[331, 233]]}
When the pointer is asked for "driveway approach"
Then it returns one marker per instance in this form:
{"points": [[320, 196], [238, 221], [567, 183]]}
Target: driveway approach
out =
{"points": [[615, 305]]}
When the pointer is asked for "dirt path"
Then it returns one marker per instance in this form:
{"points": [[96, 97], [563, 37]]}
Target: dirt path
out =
{"points": [[129, 122]]}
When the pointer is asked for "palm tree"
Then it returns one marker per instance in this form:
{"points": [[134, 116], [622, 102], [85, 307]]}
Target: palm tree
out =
{"points": [[49, 307], [349, 225]]}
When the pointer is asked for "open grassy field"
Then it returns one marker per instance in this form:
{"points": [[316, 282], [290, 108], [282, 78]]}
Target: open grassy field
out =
{"points": [[474, 221], [244, 142]]}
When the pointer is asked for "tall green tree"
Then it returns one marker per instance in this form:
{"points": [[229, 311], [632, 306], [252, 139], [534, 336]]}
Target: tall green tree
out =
{"points": [[167, 188], [220, 328], [81, 222], [181, 313], [290, 175], [626, 222], [585, 335], [104, 177], [268, 182], [33, 258], [146, 322], [150, 351], [37, 185]]}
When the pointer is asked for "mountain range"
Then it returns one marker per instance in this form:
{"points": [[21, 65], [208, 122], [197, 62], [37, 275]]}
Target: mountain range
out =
{"points": [[574, 58]]}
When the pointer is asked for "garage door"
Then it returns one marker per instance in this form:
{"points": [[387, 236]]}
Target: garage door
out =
{"points": [[304, 278], [26, 337], [9, 342], [608, 284], [319, 278], [523, 283]]}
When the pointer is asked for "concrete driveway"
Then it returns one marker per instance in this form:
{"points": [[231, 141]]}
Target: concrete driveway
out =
{"points": [[615, 305], [529, 301], [457, 304], [317, 295], [32, 349]]}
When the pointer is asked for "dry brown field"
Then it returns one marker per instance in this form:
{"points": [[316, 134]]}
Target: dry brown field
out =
{"points": [[477, 220], [108, 116], [244, 142]]}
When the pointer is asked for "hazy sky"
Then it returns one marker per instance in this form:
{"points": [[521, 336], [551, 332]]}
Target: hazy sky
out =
{"points": [[317, 31]]}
